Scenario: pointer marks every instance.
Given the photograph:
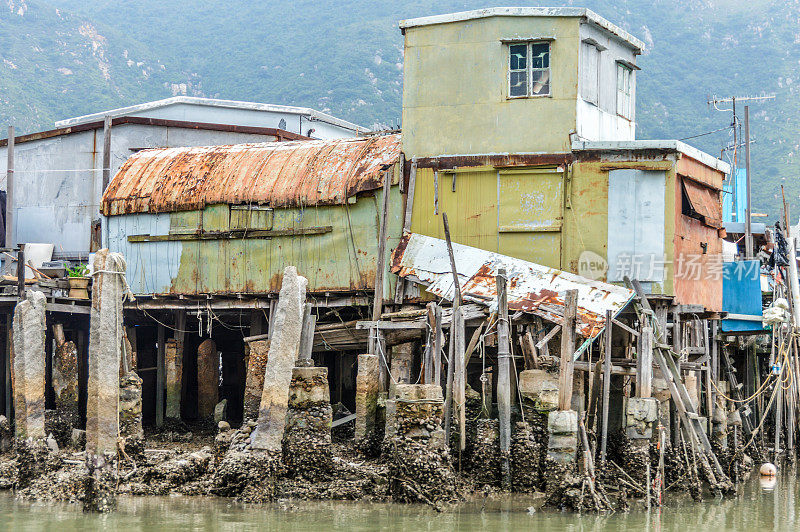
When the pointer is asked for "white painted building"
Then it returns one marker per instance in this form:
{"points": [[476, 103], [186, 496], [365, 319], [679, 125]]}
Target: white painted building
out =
{"points": [[58, 173]]}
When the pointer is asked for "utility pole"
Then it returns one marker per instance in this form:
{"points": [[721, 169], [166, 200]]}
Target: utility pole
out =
{"points": [[10, 189], [748, 240], [748, 230]]}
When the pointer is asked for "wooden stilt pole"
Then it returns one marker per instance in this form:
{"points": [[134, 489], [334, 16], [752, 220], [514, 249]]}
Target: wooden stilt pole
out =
{"points": [[504, 375], [606, 384], [566, 367], [160, 371], [448, 400]]}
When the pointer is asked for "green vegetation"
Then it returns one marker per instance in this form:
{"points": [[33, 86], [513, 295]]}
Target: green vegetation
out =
{"points": [[62, 58], [81, 270]]}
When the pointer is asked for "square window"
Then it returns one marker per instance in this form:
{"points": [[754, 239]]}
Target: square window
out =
{"points": [[529, 69]]}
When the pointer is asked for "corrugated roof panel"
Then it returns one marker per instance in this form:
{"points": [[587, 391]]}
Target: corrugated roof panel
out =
{"points": [[531, 287], [281, 174]]}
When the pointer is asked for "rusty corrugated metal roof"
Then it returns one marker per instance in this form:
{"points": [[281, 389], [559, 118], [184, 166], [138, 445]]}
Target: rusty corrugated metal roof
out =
{"points": [[531, 288], [280, 174]]}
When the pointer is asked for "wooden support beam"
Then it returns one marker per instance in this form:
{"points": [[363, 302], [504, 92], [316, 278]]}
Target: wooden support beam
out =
{"points": [[236, 234], [529, 351], [391, 325], [504, 375], [566, 368], [377, 303], [542, 343], [409, 211], [459, 380], [624, 327], [160, 371], [448, 401], [437, 345], [606, 383], [644, 364], [671, 372]]}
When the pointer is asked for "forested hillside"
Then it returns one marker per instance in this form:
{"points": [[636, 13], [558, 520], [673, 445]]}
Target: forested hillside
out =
{"points": [[61, 58]]}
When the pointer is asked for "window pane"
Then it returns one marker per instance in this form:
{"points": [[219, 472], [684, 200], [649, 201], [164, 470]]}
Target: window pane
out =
{"points": [[540, 82], [540, 55], [518, 83], [518, 57]]}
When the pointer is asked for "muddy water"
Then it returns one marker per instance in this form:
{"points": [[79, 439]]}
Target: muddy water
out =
{"points": [[755, 509]]}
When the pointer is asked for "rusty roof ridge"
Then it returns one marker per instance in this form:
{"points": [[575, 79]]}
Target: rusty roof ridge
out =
{"points": [[368, 144]]}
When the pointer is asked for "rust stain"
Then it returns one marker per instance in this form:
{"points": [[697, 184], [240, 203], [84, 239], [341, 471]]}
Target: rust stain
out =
{"points": [[531, 288], [279, 174]]}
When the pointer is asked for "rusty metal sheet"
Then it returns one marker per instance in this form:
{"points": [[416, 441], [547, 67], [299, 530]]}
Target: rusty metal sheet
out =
{"points": [[705, 201], [531, 287], [279, 174]]}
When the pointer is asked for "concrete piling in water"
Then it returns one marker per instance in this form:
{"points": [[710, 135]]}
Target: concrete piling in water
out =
{"points": [[130, 414], [254, 382], [419, 460], [249, 468], [307, 441], [284, 348], [641, 418], [207, 379], [102, 414], [29, 366], [562, 446], [173, 362], [65, 385], [367, 388]]}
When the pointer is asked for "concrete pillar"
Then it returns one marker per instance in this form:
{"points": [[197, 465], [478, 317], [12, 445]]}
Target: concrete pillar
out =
{"points": [[65, 386], [173, 360], [691, 380], [254, 385], [662, 394], [641, 415], [641, 418], [130, 413], [402, 364], [562, 426], [526, 458], [284, 347], [367, 388], [102, 407], [578, 402], [308, 425], [486, 466], [29, 365], [418, 457], [207, 379], [402, 361], [719, 420], [105, 342], [539, 390]]}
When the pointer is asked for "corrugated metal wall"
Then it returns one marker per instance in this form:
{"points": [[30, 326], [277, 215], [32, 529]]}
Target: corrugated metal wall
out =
{"points": [[342, 259]]}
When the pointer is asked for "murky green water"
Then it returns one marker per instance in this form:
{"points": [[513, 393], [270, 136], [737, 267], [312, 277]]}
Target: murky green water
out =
{"points": [[755, 509]]}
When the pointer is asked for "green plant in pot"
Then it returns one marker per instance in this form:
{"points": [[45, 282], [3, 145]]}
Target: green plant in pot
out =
{"points": [[78, 281]]}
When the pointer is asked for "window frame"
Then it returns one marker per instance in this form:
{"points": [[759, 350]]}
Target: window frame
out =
{"points": [[529, 68], [624, 90], [589, 44]]}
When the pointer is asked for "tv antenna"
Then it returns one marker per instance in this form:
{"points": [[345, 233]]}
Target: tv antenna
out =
{"points": [[716, 102]]}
